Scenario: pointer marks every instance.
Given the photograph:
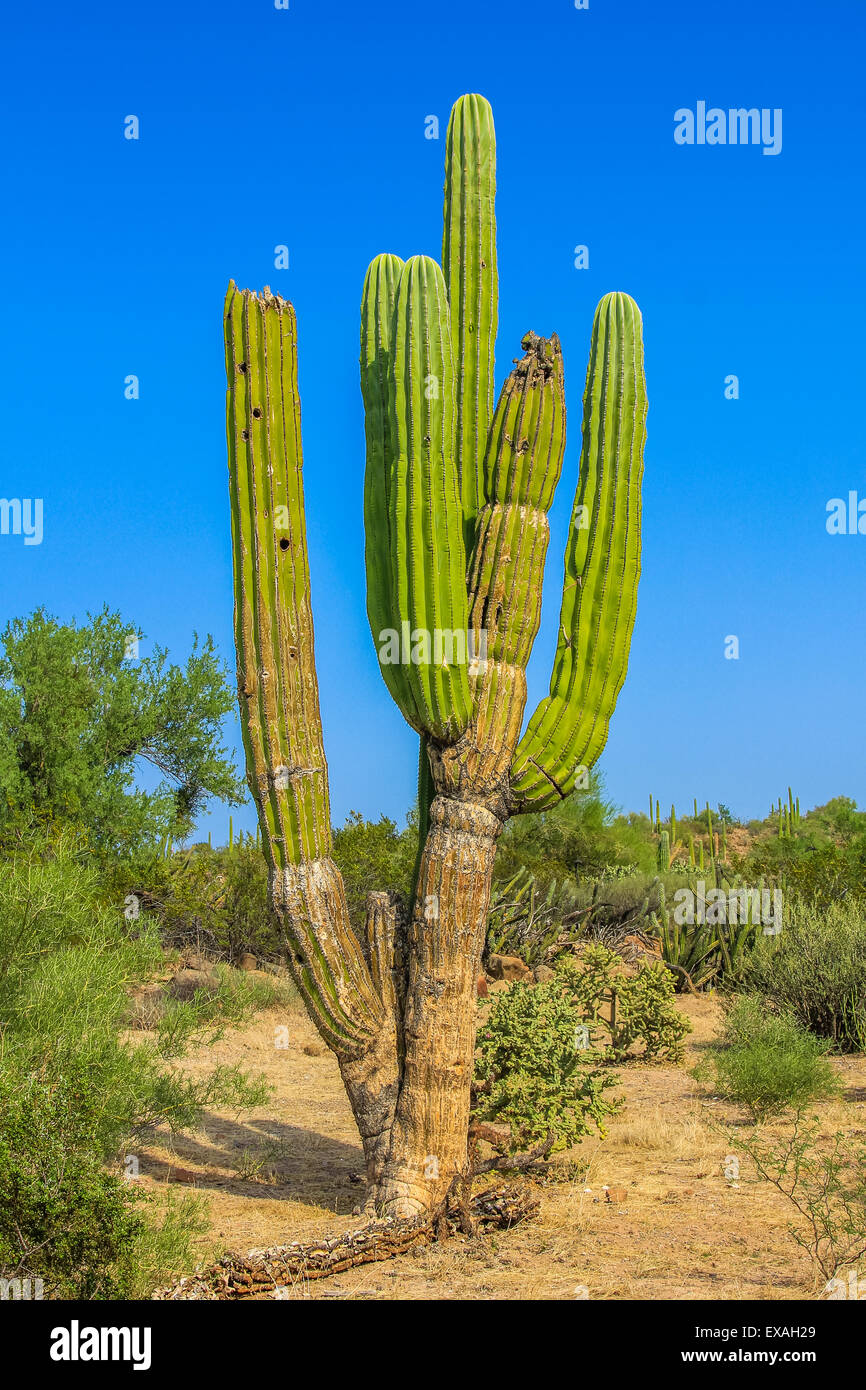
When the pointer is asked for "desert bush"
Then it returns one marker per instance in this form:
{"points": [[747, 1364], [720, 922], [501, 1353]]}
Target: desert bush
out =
{"points": [[825, 1183], [532, 1072], [65, 1216], [215, 900], [545, 1049], [583, 839], [374, 856], [767, 1062], [75, 1094], [816, 970]]}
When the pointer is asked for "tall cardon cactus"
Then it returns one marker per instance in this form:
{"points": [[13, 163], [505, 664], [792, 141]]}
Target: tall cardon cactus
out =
{"points": [[456, 495]]}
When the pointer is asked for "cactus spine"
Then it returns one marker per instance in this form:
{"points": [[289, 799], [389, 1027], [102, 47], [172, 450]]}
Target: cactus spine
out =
{"points": [[455, 507]]}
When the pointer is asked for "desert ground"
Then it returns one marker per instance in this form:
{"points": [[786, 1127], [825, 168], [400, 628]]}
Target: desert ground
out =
{"points": [[681, 1230]]}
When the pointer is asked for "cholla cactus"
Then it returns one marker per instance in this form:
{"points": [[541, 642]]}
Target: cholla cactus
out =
{"points": [[455, 507]]}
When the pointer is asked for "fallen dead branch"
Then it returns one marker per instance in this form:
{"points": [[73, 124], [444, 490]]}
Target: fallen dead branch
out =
{"points": [[271, 1273]]}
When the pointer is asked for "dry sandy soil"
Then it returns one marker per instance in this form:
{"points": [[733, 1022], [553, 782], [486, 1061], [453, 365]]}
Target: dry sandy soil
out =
{"points": [[290, 1172]]}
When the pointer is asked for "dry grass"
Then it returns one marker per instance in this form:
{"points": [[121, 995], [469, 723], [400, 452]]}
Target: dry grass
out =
{"points": [[684, 1231]]}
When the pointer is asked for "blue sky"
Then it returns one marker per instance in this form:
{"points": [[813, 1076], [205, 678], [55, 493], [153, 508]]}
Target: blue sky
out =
{"points": [[306, 127]]}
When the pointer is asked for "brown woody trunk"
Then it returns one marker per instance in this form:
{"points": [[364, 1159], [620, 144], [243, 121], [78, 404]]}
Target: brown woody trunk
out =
{"points": [[411, 1164]]}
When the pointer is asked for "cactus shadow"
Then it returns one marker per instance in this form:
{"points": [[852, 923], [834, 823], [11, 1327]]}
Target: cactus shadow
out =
{"points": [[264, 1158]]}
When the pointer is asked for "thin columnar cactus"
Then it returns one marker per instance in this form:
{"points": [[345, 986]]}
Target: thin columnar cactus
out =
{"points": [[456, 496], [663, 855]]}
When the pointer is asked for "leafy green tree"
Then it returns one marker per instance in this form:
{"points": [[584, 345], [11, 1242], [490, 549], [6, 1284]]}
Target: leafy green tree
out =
{"points": [[79, 720]]}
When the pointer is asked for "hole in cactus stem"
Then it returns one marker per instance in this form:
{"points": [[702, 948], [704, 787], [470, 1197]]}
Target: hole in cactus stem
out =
{"points": [[242, 366], [257, 412], [245, 434], [284, 544]]}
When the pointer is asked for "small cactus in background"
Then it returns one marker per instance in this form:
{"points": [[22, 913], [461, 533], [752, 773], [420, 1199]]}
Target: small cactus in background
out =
{"points": [[663, 854], [455, 508]]}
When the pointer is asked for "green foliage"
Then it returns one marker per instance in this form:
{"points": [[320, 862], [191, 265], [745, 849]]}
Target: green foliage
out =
{"points": [[542, 1048], [690, 950], [816, 970], [217, 899], [65, 1217], [213, 899], [374, 856], [632, 1010], [582, 838], [532, 1072], [85, 1092], [767, 1062], [78, 721]]}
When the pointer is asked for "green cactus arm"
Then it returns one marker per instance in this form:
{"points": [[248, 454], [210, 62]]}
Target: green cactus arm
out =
{"points": [[524, 456], [377, 313], [568, 730], [526, 443], [469, 263], [278, 690], [428, 559]]}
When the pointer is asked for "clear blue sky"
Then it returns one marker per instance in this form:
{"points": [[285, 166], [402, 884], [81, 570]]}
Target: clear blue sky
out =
{"points": [[306, 127]]}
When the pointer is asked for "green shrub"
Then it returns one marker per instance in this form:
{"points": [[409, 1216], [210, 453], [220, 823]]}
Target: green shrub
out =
{"points": [[543, 1047], [815, 969], [767, 1062], [65, 1217], [632, 1010], [215, 900], [75, 1095], [532, 1072]]}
